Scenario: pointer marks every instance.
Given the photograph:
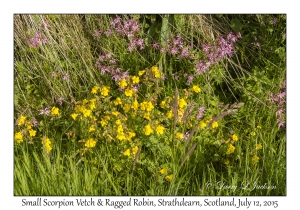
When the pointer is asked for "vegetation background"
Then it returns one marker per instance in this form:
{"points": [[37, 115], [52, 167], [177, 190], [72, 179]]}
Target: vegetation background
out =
{"points": [[60, 59]]}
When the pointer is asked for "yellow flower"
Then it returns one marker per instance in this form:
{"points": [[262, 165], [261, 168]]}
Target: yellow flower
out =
{"points": [[128, 92], [170, 114], [182, 103], [148, 130], [253, 133], [196, 89], [141, 72], [32, 132], [180, 114], [117, 101], [234, 137], [135, 80], [215, 124], [259, 127], [162, 104], [92, 128], [255, 159], [19, 137], [122, 83], [115, 113], [156, 72], [170, 177], [147, 116], [22, 120], [230, 149], [104, 91], [179, 135], [92, 105], [258, 147], [103, 122], [202, 124], [163, 171], [130, 135], [127, 152], [160, 129], [121, 136], [107, 117], [74, 116], [55, 111], [86, 112], [120, 129], [134, 150], [149, 106], [79, 108], [135, 105], [133, 115], [126, 107], [29, 125], [90, 143], [227, 162], [118, 122], [94, 89], [47, 144], [84, 101]]}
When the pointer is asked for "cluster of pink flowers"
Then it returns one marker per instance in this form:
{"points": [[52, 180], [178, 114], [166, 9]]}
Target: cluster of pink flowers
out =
{"points": [[107, 65], [280, 100], [129, 29], [175, 46], [214, 53], [38, 39]]}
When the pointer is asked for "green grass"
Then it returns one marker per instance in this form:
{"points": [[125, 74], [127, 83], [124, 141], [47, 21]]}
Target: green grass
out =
{"points": [[198, 167]]}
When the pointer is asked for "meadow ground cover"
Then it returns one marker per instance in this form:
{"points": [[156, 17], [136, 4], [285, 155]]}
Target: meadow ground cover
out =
{"points": [[149, 105]]}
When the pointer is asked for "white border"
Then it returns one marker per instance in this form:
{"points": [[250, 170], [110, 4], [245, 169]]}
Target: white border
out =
{"points": [[154, 6]]}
